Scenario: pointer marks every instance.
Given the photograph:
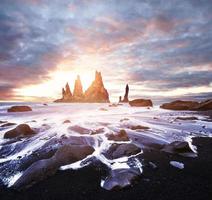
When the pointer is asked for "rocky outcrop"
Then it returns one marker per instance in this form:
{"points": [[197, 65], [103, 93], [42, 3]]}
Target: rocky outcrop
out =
{"points": [[67, 93], [96, 93], [19, 109], [188, 105], [120, 178], [120, 136], [180, 105], [205, 105], [141, 103], [78, 95], [120, 150], [20, 130], [43, 168], [125, 100]]}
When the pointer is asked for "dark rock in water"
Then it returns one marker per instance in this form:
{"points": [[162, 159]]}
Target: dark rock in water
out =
{"points": [[103, 109], [80, 129], [180, 105], [97, 131], [177, 147], [19, 109], [120, 150], [66, 121], [124, 119], [187, 118], [139, 127], [141, 103], [125, 100], [205, 105], [188, 105], [20, 130], [45, 104], [148, 142], [2, 122], [97, 92], [41, 169], [120, 178], [7, 124], [78, 95], [121, 136]]}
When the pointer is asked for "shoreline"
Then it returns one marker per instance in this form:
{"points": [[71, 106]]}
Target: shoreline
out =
{"points": [[164, 182]]}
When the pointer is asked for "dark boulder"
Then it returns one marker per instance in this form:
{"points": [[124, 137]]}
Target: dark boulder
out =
{"points": [[141, 103], [120, 178], [20, 130], [120, 150], [121, 136], [19, 109], [205, 105], [178, 147], [66, 121], [188, 105], [180, 105], [41, 169]]}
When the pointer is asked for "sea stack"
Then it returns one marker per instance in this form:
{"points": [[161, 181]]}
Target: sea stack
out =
{"points": [[78, 91], [96, 93], [67, 95], [125, 100]]}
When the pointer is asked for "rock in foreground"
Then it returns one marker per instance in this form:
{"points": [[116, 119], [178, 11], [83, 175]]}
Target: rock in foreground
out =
{"points": [[120, 178], [141, 103], [41, 169], [19, 109], [20, 130]]}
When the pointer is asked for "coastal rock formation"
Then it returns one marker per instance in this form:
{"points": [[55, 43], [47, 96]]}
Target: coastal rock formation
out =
{"points": [[67, 93], [120, 136], [141, 103], [125, 100], [43, 168], [78, 91], [120, 178], [119, 150], [180, 105], [19, 109], [205, 105], [96, 93], [20, 130], [188, 105]]}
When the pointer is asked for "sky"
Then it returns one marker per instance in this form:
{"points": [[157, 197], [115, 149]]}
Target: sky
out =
{"points": [[161, 48]]}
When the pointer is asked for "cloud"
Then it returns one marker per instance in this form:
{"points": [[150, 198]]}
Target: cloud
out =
{"points": [[160, 45]]}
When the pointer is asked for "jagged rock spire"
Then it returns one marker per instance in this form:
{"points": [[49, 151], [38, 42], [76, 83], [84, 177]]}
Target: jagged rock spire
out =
{"points": [[126, 94], [67, 95], [96, 92], [78, 91]]}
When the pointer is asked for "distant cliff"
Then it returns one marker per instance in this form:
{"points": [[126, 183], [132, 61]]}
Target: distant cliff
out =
{"points": [[96, 93]]}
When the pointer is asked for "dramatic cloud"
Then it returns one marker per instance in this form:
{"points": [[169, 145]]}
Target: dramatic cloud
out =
{"points": [[158, 47]]}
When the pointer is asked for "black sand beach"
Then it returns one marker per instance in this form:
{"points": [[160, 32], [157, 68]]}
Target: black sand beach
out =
{"points": [[165, 182]]}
